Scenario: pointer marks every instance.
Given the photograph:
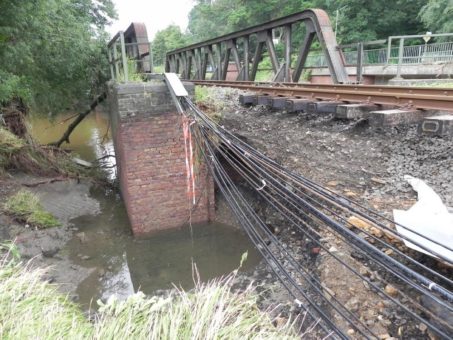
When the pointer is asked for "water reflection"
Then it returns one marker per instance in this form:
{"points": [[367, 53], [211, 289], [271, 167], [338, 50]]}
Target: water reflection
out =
{"points": [[124, 264], [90, 140]]}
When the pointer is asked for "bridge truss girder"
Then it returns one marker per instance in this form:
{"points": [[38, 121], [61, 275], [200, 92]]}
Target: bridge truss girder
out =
{"points": [[192, 62]]}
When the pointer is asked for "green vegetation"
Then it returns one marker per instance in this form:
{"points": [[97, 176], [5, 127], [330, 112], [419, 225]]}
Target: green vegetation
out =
{"points": [[52, 53], [436, 15], [204, 98], [32, 308], [25, 206], [439, 84], [354, 20], [9, 142], [165, 40], [132, 73]]}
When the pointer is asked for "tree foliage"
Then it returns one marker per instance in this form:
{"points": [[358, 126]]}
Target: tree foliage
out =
{"points": [[54, 50], [165, 40], [437, 16], [362, 20], [357, 20]]}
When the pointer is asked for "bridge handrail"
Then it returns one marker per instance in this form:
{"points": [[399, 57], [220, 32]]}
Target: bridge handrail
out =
{"points": [[414, 54]]}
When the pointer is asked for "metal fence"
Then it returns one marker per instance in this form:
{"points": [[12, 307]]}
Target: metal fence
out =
{"points": [[415, 54]]}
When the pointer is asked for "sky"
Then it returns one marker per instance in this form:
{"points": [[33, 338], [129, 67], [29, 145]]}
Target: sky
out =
{"points": [[155, 14]]}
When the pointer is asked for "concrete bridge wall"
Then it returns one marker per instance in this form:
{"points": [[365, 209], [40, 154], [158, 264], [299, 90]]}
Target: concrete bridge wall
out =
{"points": [[382, 74], [149, 146]]}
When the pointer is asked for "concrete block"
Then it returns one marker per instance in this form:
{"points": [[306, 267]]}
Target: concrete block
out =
{"points": [[354, 111], [264, 100], [278, 103], [323, 107], [395, 117], [247, 99], [437, 125], [295, 105]]}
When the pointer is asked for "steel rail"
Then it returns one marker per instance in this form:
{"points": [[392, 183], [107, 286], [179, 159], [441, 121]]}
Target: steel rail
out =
{"points": [[433, 91], [438, 99]]}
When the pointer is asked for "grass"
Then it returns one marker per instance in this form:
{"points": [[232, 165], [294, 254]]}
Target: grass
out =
{"points": [[9, 144], [25, 206], [132, 74], [435, 84], [33, 309], [264, 75]]}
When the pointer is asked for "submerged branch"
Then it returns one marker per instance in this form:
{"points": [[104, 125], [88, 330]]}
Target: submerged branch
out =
{"points": [[80, 117]]}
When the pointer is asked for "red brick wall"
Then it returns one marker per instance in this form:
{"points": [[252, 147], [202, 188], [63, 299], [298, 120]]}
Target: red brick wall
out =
{"points": [[152, 172]]}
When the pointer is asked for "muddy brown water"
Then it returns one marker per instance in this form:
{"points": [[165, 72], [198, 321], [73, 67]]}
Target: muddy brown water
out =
{"points": [[122, 264]]}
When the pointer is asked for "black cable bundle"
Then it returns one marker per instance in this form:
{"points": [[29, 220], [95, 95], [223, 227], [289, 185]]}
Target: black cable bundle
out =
{"points": [[312, 209]]}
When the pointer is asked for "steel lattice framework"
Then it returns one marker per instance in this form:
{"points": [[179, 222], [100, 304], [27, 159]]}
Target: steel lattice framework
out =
{"points": [[192, 62]]}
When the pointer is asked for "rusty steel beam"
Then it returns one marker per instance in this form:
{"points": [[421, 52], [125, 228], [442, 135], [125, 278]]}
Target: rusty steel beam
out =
{"points": [[317, 24], [398, 96], [436, 91]]}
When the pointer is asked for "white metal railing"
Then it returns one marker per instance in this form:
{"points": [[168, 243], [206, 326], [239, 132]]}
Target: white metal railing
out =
{"points": [[416, 54]]}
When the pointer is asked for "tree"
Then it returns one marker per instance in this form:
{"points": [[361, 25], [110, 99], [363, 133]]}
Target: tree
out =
{"points": [[358, 20], [208, 20], [362, 20], [54, 50], [437, 16], [166, 40]]}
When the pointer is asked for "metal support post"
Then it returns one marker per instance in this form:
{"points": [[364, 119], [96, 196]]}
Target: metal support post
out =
{"points": [[124, 57], [112, 72], [400, 59], [360, 62], [151, 62]]}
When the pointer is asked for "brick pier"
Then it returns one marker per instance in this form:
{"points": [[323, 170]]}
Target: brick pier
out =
{"points": [[149, 146]]}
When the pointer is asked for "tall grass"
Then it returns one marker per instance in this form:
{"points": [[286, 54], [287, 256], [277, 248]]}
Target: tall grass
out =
{"points": [[33, 309]]}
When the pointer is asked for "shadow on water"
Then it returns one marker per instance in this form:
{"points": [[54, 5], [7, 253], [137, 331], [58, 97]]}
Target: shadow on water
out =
{"points": [[124, 264]]}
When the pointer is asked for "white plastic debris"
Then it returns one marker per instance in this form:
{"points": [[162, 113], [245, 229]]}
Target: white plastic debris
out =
{"points": [[428, 217]]}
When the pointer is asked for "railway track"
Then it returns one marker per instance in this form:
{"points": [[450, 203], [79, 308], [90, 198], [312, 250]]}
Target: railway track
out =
{"points": [[424, 98]]}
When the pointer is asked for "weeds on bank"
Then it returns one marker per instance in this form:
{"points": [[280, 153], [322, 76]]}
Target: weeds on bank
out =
{"points": [[205, 99], [25, 207], [9, 144], [133, 75], [31, 308]]}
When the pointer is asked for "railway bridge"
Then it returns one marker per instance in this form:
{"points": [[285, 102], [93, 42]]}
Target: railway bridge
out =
{"points": [[172, 157]]}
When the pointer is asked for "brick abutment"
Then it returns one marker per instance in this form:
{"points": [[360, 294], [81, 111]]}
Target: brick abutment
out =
{"points": [[151, 159]]}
